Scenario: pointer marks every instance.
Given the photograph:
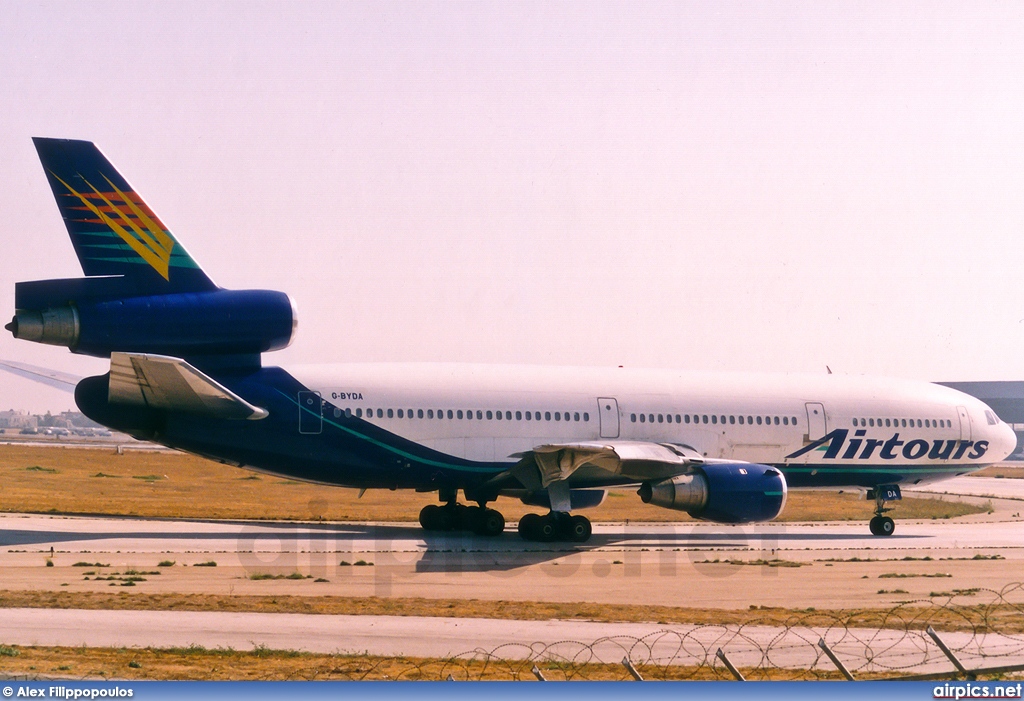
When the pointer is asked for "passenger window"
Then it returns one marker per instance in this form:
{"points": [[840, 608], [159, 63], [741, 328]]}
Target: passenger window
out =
{"points": [[401, 415], [391, 413], [576, 416], [732, 419], [792, 421], [668, 418], [490, 415], [776, 420], [758, 420], [714, 419], [359, 413], [528, 417], [586, 416], [547, 415], [458, 413], [785, 420], [661, 418], [558, 416], [704, 418], [741, 420], [750, 420], [678, 419], [519, 416], [643, 418], [686, 417]]}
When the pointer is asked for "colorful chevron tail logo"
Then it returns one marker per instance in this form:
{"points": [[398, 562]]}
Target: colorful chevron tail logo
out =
{"points": [[129, 217]]}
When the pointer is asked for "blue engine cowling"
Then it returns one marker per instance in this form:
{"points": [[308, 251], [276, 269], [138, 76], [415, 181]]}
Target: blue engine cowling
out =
{"points": [[216, 322], [722, 492]]}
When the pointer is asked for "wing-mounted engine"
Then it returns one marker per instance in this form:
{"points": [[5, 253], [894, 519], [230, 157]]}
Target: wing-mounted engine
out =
{"points": [[722, 492]]}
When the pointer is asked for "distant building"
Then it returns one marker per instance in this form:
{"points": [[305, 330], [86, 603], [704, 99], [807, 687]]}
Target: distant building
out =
{"points": [[18, 419]]}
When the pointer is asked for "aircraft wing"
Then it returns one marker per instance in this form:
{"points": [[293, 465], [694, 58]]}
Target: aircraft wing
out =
{"points": [[635, 460], [163, 382], [52, 378]]}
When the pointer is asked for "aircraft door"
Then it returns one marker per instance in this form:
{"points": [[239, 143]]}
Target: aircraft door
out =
{"points": [[608, 411], [816, 425], [965, 423], [311, 419]]}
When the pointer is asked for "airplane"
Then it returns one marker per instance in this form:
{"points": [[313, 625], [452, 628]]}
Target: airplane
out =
{"points": [[187, 371]]}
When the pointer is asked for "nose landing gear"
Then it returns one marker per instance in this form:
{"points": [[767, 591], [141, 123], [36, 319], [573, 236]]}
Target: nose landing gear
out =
{"points": [[883, 525]]}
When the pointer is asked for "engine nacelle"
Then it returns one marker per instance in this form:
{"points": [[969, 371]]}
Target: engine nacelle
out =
{"points": [[722, 492], [217, 322]]}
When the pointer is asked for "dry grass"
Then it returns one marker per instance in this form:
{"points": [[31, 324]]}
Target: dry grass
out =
{"points": [[175, 485], [1006, 618], [1004, 471]]}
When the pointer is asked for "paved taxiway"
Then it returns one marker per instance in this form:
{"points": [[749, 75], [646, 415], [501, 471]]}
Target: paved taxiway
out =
{"points": [[690, 565], [860, 649]]}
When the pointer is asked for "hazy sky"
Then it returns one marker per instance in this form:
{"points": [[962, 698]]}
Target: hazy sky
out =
{"points": [[764, 186]]}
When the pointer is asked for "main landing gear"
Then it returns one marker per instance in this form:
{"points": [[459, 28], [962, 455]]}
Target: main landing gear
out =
{"points": [[881, 525], [459, 517], [555, 525]]}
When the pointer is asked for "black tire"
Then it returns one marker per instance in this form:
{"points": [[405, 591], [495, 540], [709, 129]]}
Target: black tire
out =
{"points": [[873, 525], [430, 518], [547, 528], [580, 529], [886, 526], [489, 523], [528, 526]]}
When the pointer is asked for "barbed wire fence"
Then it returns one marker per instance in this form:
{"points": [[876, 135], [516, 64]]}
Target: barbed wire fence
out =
{"points": [[919, 639], [976, 633]]}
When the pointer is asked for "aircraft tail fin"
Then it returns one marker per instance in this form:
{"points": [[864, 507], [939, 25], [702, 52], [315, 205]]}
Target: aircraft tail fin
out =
{"points": [[112, 229]]}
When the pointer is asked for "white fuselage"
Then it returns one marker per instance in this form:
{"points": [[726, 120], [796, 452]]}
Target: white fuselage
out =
{"points": [[490, 413]]}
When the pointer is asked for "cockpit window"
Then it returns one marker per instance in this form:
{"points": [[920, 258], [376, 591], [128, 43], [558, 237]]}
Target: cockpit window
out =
{"points": [[991, 417]]}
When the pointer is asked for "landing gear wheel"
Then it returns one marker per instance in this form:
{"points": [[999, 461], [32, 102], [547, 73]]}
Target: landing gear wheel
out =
{"points": [[528, 526], [579, 529], [489, 523], [873, 525], [431, 517], [547, 528], [886, 526]]}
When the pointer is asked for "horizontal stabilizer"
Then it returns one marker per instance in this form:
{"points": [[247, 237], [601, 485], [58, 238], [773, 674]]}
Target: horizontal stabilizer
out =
{"points": [[163, 382], [52, 378]]}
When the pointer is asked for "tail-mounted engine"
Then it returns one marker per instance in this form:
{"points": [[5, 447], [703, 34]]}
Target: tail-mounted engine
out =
{"points": [[82, 315]]}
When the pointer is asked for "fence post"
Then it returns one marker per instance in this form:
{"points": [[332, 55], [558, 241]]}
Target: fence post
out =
{"points": [[948, 653], [539, 674], [725, 660], [835, 660], [632, 670]]}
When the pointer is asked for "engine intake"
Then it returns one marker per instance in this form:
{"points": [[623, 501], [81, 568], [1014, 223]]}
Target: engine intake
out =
{"points": [[722, 492]]}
